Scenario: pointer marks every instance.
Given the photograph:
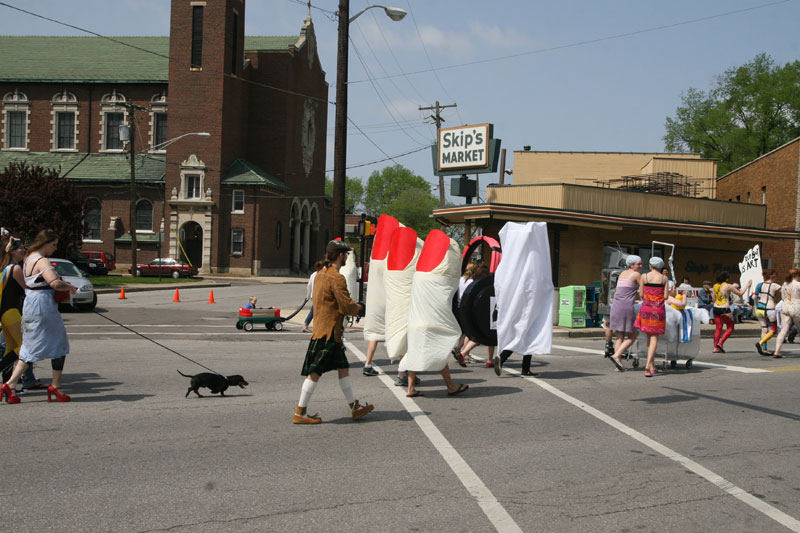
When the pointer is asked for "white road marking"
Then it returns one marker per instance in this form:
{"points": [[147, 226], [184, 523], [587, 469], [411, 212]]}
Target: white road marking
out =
{"points": [[731, 368], [495, 512], [725, 485]]}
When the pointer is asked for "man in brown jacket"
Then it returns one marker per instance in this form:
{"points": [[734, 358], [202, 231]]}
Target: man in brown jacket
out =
{"points": [[331, 302]]}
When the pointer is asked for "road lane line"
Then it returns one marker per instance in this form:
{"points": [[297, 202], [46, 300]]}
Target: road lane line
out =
{"points": [[493, 510], [725, 485], [731, 368]]}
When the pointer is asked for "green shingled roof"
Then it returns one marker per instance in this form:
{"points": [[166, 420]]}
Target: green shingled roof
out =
{"points": [[243, 172], [93, 167], [99, 60]]}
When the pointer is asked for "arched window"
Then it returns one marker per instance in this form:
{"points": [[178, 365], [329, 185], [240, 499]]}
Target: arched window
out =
{"points": [[92, 215], [144, 215]]}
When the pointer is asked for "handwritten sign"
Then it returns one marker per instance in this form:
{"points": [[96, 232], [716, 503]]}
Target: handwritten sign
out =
{"points": [[750, 267]]}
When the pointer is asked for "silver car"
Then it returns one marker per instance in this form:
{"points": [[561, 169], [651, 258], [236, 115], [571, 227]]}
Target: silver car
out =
{"points": [[85, 299]]}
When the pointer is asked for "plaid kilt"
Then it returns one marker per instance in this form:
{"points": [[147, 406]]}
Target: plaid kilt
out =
{"points": [[324, 355]]}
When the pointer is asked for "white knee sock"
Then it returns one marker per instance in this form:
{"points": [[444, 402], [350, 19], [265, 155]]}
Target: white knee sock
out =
{"points": [[347, 389], [306, 392]]}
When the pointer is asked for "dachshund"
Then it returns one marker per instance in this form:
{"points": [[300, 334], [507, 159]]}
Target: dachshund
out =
{"points": [[215, 382]]}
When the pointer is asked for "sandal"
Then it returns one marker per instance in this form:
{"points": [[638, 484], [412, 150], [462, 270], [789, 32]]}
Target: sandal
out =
{"points": [[461, 388], [415, 394], [617, 363]]}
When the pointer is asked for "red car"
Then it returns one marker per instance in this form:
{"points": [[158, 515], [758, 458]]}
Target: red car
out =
{"points": [[164, 266]]}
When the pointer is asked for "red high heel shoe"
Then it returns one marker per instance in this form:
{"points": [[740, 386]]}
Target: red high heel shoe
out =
{"points": [[59, 397], [8, 392]]}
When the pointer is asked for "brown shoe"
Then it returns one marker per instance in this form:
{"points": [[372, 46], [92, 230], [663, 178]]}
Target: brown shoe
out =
{"points": [[359, 410], [306, 419]]}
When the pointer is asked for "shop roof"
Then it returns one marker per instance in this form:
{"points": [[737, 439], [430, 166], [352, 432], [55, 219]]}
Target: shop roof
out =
{"points": [[99, 59]]}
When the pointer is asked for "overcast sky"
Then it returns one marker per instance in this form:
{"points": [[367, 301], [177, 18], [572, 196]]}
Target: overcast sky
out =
{"points": [[589, 75]]}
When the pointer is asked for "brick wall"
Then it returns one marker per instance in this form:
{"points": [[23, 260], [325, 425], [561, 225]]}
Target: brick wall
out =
{"points": [[778, 173]]}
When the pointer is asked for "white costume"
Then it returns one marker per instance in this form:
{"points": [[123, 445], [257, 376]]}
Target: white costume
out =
{"points": [[401, 264], [375, 319], [432, 327], [523, 286], [350, 272]]}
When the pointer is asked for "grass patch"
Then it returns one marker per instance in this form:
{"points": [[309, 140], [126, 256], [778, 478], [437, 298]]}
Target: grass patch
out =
{"points": [[118, 281]]}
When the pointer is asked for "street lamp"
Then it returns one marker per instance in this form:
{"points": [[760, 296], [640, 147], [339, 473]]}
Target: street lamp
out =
{"points": [[340, 126], [128, 133]]}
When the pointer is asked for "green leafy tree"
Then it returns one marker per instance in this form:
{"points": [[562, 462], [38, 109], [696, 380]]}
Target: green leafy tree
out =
{"points": [[35, 198], [353, 193], [413, 207], [751, 110], [385, 186]]}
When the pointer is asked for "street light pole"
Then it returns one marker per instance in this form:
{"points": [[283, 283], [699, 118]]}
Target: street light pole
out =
{"points": [[340, 125]]}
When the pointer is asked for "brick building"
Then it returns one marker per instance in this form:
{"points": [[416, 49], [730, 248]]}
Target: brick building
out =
{"points": [[772, 180], [246, 199]]}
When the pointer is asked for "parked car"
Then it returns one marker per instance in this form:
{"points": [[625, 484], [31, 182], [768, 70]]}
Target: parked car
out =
{"points": [[85, 299], [165, 266], [105, 257], [87, 265]]}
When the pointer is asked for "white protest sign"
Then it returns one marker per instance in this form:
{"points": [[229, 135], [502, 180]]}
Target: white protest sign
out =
{"points": [[750, 267]]}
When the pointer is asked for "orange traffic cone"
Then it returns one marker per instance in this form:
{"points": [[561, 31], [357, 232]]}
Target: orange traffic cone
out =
{"points": [[177, 297], [122, 293], [211, 297]]}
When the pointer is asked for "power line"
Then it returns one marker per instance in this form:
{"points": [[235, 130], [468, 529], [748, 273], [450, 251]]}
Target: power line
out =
{"points": [[581, 43], [375, 87], [428, 57], [169, 58]]}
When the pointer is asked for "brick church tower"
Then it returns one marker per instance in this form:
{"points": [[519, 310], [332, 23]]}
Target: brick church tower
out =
{"points": [[205, 95]]}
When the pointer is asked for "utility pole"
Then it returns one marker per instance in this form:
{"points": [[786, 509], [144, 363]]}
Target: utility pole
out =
{"points": [[340, 123], [437, 118], [132, 150]]}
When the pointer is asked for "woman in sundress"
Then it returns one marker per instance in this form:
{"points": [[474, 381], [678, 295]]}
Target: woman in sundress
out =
{"points": [[622, 313], [652, 318], [43, 332]]}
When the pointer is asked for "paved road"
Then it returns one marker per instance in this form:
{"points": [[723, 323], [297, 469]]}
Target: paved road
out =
{"points": [[579, 448]]}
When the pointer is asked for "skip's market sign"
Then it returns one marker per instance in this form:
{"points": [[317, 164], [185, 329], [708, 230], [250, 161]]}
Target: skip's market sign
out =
{"points": [[464, 147]]}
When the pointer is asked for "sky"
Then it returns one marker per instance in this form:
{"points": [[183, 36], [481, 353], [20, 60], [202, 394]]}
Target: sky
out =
{"points": [[586, 75]]}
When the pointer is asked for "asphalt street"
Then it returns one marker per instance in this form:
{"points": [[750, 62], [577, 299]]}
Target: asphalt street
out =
{"points": [[580, 447]]}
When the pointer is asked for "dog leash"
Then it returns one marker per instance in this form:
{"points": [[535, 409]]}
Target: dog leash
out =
{"points": [[159, 344]]}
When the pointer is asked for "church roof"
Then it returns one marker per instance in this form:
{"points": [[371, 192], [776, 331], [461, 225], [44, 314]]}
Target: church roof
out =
{"points": [[243, 172], [98, 168], [99, 59]]}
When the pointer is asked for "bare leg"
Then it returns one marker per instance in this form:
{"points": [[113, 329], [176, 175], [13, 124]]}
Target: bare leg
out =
{"points": [[412, 391], [371, 347], [20, 368], [787, 325], [652, 343], [469, 345], [623, 344], [57, 379]]}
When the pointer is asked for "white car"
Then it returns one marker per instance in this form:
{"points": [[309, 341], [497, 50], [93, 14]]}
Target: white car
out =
{"points": [[85, 299]]}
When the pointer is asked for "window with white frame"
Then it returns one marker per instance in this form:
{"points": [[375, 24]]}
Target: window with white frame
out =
{"points": [[193, 187], [92, 215], [158, 122], [113, 115], [238, 202], [237, 241], [15, 121], [65, 122], [144, 215]]}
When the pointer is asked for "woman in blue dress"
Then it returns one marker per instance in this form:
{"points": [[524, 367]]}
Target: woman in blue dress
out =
{"points": [[43, 332]]}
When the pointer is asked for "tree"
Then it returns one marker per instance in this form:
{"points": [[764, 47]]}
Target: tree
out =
{"points": [[385, 186], [353, 193], [413, 207], [35, 198], [752, 110]]}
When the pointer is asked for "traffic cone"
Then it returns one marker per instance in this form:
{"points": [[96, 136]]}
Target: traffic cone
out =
{"points": [[177, 297], [122, 293], [211, 297]]}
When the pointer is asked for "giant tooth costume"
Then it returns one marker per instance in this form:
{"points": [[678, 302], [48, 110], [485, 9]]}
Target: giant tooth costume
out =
{"points": [[375, 319], [432, 327], [523, 285], [401, 263]]}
